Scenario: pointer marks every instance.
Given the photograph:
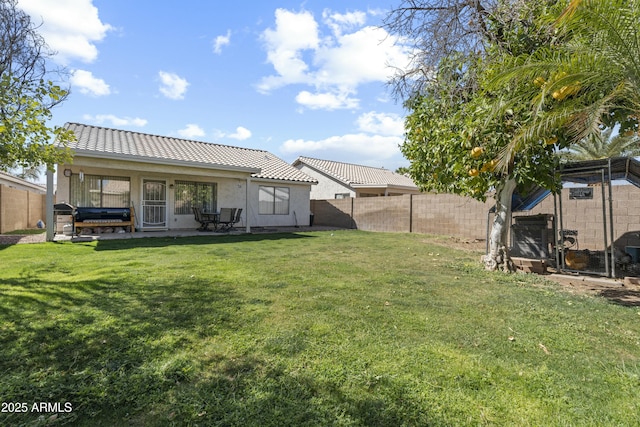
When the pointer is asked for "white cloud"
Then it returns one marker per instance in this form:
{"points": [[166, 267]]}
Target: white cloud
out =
{"points": [[326, 101], [334, 62], [88, 84], [240, 134], [191, 131], [350, 146], [360, 57], [381, 123], [340, 22], [172, 85], [294, 33], [376, 143], [115, 120], [221, 41], [69, 27]]}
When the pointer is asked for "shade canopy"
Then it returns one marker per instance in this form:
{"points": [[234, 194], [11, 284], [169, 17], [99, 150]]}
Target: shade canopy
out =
{"points": [[585, 172]]}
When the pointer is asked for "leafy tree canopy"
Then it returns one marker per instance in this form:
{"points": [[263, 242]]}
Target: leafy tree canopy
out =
{"points": [[457, 129], [26, 95]]}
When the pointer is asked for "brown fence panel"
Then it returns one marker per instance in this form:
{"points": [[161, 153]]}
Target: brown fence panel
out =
{"points": [[334, 213], [20, 209], [458, 216], [449, 214], [382, 213]]}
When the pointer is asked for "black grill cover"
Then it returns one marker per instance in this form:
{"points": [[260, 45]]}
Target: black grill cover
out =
{"points": [[114, 214]]}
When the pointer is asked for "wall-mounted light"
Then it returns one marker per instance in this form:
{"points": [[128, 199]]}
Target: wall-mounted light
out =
{"points": [[170, 185], [67, 173]]}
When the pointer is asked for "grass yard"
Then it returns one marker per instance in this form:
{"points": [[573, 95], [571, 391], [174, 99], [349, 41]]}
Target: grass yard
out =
{"points": [[341, 328]]}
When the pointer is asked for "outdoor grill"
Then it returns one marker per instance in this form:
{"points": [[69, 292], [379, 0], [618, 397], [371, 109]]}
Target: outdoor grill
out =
{"points": [[98, 215], [63, 217]]}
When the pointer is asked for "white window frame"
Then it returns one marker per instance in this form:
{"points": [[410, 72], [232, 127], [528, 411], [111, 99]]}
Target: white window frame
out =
{"points": [[273, 200]]}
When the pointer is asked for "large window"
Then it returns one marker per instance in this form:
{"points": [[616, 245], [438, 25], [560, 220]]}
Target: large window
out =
{"points": [[194, 194], [100, 191], [274, 200]]}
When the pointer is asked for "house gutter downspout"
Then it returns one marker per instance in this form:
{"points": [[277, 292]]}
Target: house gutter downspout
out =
{"points": [[49, 206], [246, 205]]}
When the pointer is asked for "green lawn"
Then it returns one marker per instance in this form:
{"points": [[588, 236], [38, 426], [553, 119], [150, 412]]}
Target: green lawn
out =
{"points": [[309, 329]]}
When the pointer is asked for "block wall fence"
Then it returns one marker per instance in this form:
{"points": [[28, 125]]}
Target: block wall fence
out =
{"points": [[20, 209], [448, 214]]}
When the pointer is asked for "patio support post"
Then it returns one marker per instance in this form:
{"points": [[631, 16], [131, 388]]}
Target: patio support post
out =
{"points": [[246, 206], [613, 256], [562, 264], [556, 248], [49, 205], [607, 264]]}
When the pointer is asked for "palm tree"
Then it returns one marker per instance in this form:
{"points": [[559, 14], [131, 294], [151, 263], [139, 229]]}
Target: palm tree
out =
{"points": [[603, 146]]}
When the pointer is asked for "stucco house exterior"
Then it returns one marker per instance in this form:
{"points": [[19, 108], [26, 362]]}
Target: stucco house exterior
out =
{"points": [[163, 177], [338, 180]]}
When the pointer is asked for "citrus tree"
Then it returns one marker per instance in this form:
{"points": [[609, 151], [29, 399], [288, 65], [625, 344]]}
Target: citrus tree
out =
{"points": [[459, 131]]}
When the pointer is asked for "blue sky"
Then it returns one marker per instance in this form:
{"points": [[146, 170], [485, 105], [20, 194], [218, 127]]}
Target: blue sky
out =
{"points": [[294, 78]]}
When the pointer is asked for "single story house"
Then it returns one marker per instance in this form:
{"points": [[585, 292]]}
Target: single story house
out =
{"points": [[11, 181], [337, 180], [162, 178]]}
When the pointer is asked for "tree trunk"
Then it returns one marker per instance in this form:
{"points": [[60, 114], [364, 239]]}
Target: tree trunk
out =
{"points": [[498, 257]]}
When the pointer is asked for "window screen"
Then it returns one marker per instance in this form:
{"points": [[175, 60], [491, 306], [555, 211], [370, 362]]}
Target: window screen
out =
{"points": [[194, 194]]}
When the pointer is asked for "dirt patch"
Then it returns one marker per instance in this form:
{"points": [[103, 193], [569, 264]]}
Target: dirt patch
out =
{"points": [[12, 239], [616, 291], [473, 245]]}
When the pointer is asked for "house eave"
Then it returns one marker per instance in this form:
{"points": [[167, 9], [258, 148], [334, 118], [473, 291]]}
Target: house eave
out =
{"points": [[282, 181], [385, 187], [161, 161]]}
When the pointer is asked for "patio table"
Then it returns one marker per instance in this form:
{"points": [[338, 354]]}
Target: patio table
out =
{"points": [[213, 217]]}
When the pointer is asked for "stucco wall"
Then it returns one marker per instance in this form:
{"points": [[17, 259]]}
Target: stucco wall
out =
{"points": [[327, 187], [231, 190]]}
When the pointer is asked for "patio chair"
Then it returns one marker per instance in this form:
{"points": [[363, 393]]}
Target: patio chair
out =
{"points": [[227, 216], [236, 219], [202, 219]]}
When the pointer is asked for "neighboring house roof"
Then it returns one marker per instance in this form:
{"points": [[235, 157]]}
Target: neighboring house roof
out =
{"points": [[94, 141], [358, 175], [16, 182]]}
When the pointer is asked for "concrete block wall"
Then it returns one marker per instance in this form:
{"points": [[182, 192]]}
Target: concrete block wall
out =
{"points": [[449, 214], [20, 209], [452, 215], [586, 216], [390, 214]]}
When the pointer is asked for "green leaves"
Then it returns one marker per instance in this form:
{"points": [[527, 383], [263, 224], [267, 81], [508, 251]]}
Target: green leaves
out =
{"points": [[25, 139]]}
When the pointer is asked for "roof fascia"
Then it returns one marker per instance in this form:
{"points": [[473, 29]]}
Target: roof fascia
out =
{"points": [[282, 181], [169, 162], [387, 186]]}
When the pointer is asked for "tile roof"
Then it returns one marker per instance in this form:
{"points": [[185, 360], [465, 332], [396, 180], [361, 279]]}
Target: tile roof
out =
{"points": [[357, 175], [122, 144]]}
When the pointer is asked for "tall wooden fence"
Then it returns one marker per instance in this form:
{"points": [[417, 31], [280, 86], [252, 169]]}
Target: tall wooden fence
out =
{"points": [[466, 218]]}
